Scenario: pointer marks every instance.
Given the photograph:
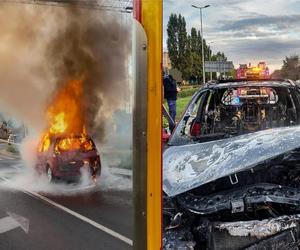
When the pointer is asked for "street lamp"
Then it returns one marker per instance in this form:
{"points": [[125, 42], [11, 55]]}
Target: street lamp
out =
{"points": [[210, 57], [202, 45]]}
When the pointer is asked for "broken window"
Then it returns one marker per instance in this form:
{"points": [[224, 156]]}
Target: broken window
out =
{"points": [[226, 112]]}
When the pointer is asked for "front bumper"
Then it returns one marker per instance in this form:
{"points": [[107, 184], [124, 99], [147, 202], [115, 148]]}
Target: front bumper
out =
{"points": [[74, 169]]}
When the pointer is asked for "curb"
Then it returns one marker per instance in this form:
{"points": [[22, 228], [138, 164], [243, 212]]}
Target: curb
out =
{"points": [[5, 153], [121, 171]]}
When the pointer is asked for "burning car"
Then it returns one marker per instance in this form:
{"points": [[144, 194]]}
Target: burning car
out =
{"points": [[62, 157], [231, 173], [65, 147]]}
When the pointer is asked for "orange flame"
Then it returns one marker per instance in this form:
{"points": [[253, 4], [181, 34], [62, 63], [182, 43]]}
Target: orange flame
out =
{"points": [[66, 119]]}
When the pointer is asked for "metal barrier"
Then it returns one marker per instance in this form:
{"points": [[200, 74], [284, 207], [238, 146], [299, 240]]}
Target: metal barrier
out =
{"points": [[10, 143]]}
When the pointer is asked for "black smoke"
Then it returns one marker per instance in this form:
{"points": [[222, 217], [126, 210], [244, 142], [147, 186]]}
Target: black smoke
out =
{"points": [[60, 44]]}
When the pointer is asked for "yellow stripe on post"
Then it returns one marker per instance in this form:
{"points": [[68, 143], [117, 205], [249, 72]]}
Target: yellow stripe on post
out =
{"points": [[152, 22]]}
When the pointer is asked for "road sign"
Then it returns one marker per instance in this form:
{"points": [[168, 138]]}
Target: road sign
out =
{"points": [[218, 66]]}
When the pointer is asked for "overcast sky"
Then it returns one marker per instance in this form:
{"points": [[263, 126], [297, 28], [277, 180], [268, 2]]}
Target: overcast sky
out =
{"points": [[246, 30]]}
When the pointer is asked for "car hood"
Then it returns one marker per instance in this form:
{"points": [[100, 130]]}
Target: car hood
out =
{"points": [[190, 166]]}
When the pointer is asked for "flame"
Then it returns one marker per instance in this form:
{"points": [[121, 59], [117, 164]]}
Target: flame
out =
{"points": [[66, 120], [65, 114], [59, 125]]}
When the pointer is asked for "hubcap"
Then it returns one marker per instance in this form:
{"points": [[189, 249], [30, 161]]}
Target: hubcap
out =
{"points": [[49, 174]]}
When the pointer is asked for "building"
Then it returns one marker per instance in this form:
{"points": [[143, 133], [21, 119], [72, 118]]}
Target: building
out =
{"points": [[166, 62]]}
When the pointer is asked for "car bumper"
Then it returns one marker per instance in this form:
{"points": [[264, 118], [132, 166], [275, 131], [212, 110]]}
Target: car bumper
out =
{"points": [[75, 171]]}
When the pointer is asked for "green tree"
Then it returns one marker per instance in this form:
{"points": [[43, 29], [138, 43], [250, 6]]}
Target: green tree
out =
{"points": [[172, 41], [196, 54], [220, 56], [185, 50], [291, 68], [195, 60], [187, 71], [177, 42]]}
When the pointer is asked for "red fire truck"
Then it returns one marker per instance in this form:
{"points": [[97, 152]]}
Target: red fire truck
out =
{"points": [[261, 71]]}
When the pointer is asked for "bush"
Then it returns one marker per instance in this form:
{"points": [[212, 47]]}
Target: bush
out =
{"points": [[187, 92], [12, 149]]}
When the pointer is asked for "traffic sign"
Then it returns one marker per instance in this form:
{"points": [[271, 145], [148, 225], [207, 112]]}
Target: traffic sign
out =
{"points": [[218, 66]]}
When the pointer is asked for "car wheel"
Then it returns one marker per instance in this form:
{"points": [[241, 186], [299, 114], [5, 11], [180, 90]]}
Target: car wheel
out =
{"points": [[49, 173]]}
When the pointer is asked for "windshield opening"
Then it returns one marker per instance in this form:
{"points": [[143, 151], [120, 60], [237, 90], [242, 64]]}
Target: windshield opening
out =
{"points": [[226, 112], [74, 143]]}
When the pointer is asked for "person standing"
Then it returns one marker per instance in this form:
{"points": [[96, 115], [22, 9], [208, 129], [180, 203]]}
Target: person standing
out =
{"points": [[170, 94]]}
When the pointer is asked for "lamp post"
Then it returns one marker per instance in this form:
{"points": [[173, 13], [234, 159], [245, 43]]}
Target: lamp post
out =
{"points": [[210, 58], [202, 45]]}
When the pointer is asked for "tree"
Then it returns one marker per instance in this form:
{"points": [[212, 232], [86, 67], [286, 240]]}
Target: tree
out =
{"points": [[177, 42], [220, 56], [276, 74], [185, 50], [291, 68], [196, 54], [195, 60], [172, 41]]}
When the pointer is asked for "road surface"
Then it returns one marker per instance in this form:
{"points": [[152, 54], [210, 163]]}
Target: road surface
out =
{"points": [[98, 219]]}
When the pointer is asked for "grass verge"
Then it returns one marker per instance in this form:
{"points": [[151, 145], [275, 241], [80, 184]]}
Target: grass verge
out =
{"points": [[12, 149], [183, 98]]}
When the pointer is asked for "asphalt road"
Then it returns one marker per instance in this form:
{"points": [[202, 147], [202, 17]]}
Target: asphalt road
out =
{"points": [[96, 219]]}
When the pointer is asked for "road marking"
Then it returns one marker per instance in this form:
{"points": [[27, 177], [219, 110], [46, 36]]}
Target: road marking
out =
{"points": [[9, 158], [75, 214], [5, 157], [13, 221], [121, 171], [17, 166]]}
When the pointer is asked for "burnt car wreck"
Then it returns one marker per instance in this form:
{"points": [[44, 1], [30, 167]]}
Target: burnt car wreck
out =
{"points": [[237, 190]]}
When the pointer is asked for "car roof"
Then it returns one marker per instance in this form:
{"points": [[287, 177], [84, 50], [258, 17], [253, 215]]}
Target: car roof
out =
{"points": [[64, 136], [245, 83]]}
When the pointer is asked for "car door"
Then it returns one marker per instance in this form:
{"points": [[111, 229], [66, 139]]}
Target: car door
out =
{"points": [[43, 153]]}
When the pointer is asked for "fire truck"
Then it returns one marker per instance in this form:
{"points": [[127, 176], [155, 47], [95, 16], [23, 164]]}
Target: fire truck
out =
{"points": [[261, 71]]}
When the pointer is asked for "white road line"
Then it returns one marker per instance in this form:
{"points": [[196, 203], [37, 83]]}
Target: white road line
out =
{"points": [[17, 167], [8, 224], [8, 158], [75, 214]]}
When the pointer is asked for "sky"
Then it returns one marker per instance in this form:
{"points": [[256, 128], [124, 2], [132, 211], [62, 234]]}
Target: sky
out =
{"points": [[247, 31]]}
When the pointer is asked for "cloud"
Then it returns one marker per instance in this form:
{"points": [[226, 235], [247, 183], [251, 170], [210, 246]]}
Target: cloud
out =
{"points": [[281, 23], [247, 31], [273, 51]]}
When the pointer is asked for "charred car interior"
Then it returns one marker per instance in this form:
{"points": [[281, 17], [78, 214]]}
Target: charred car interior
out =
{"points": [[231, 170], [226, 110]]}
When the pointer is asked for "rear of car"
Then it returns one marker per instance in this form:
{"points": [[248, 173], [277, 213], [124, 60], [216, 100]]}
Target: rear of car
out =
{"points": [[67, 157]]}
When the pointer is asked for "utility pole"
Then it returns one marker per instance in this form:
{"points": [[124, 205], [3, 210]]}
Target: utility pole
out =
{"points": [[202, 44], [210, 51]]}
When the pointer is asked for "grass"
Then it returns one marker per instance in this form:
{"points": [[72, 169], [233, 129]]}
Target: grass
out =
{"points": [[181, 105], [187, 91], [183, 98]]}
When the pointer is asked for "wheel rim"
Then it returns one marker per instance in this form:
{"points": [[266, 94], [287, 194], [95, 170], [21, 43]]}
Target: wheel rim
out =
{"points": [[49, 174]]}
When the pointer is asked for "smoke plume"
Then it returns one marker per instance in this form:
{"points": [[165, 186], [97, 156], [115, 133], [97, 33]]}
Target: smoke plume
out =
{"points": [[43, 47]]}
